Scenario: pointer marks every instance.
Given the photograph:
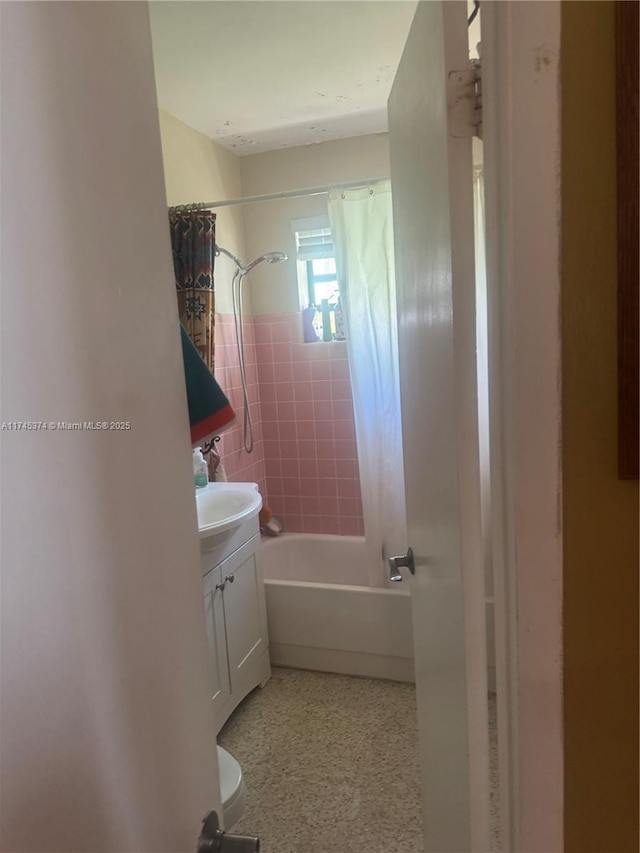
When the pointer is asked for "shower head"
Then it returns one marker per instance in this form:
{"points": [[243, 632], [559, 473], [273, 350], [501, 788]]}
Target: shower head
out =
{"points": [[270, 258]]}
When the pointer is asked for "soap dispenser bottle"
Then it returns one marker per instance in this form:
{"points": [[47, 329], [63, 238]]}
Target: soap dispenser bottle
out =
{"points": [[200, 469]]}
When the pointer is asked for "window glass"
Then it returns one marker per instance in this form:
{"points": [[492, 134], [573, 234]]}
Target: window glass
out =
{"points": [[318, 283]]}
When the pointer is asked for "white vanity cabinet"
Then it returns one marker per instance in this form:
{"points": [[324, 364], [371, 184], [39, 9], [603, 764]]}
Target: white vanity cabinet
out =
{"points": [[236, 618]]}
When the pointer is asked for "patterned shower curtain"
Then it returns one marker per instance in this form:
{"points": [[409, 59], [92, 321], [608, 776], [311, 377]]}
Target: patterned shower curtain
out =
{"points": [[193, 240]]}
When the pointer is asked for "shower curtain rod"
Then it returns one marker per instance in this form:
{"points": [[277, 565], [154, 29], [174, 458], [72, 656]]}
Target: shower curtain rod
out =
{"points": [[203, 205]]}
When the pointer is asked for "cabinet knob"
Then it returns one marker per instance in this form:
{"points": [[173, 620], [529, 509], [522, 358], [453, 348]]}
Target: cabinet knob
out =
{"points": [[228, 579]]}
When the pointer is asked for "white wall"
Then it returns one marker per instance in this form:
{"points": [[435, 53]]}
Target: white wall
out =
{"points": [[198, 169], [274, 287], [107, 738]]}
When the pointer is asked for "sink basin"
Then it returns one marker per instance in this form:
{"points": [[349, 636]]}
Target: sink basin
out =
{"points": [[222, 506]]}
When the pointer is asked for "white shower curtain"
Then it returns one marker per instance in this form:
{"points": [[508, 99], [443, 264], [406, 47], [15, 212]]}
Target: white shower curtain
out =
{"points": [[362, 228]]}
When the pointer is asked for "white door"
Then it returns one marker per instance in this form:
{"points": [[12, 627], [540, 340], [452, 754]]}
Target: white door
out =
{"points": [[431, 174], [108, 740]]}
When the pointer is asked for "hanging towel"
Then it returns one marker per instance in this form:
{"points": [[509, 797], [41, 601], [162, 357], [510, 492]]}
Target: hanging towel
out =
{"points": [[209, 410]]}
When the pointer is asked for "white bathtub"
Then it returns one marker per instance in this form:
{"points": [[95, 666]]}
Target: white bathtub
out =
{"points": [[323, 616]]}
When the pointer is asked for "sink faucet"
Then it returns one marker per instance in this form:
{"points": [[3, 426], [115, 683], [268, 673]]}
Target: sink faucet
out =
{"points": [[216, 470]]}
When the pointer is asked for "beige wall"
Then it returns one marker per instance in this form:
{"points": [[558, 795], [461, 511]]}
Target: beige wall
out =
{"points": [[274, 288], [600, 511], [198, 169]]}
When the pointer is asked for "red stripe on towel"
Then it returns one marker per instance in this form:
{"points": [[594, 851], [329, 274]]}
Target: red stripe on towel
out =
{"points": [[214, 423]]}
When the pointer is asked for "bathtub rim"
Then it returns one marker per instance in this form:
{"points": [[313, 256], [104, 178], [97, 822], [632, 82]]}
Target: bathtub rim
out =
{"points": [[338, 586]]}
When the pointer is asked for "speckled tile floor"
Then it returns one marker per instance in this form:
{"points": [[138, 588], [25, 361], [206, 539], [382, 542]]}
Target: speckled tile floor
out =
{"points": [[323, 754]]}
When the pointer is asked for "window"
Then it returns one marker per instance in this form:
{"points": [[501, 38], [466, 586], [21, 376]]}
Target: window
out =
{"points": [[318, 285], [322, 280]]}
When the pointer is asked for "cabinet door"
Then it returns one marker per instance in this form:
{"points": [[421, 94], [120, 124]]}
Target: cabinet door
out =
{"points": [[245, 615], [214, 613]]}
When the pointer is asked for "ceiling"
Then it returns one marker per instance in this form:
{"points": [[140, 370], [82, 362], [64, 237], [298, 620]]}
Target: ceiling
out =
{"points": [[256, 75]]}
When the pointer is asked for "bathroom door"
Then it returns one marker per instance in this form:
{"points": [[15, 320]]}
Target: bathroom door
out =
{"points": [[431, 173]]}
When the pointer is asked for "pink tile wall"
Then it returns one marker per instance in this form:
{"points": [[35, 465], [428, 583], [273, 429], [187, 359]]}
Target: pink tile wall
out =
{"points": [[305, 457], [308, 428]]}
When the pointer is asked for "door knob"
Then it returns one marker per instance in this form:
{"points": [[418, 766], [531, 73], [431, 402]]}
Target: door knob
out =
{"points": [[214, 840], [403, 561]]}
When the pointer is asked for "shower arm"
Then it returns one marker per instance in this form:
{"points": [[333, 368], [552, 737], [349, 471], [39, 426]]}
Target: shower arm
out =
{"points": [[220, 250]]}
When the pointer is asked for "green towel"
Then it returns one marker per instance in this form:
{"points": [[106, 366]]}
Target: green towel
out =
{"points": [[209, 409]]}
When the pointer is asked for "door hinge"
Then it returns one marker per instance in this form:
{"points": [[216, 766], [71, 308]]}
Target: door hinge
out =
{"points": [[464, 101]]}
